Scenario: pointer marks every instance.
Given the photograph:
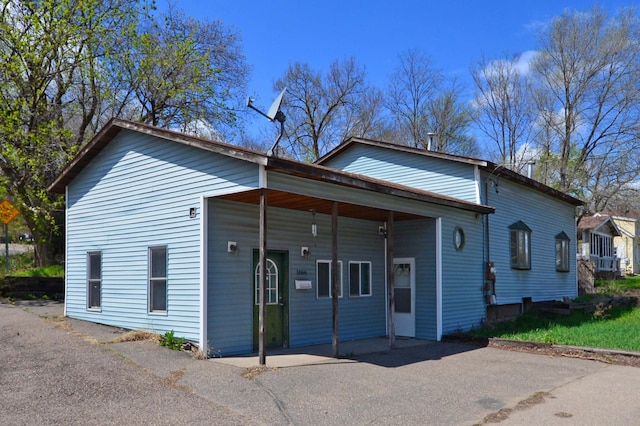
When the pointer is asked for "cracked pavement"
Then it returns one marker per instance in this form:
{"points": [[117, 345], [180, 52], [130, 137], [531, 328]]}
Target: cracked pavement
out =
{"points": [[64, 371]]}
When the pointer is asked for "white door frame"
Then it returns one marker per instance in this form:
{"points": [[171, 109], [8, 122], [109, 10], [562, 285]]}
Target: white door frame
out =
{"points": [[405, 323]]}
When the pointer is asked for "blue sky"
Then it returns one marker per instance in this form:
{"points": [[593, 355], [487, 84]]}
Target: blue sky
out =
{"points": [[455, 34]]}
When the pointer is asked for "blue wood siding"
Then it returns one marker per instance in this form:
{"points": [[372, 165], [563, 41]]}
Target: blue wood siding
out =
{"points": [[230, 305], [546, 217], [463, 304], [462, 272], [417, 239], [135, 194], [437, 175]]}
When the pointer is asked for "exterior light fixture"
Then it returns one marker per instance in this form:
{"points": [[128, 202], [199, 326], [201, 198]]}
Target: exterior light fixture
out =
{"points": [[232, 247], [304, 252], [314, 227]]}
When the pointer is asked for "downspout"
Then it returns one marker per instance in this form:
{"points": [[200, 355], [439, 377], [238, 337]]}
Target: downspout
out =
{"points": [[386, 279], [439, 296], [66, 248], [489, 288], [204, 257]]}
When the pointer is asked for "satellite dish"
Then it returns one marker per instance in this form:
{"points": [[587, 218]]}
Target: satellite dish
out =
{"points": [[275, 106], [274, 114]]}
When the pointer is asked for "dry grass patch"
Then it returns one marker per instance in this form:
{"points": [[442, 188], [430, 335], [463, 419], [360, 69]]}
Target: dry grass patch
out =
{"points": [[503, 414], [253, 372], [137, 336], [59, 321], [174, 377]]}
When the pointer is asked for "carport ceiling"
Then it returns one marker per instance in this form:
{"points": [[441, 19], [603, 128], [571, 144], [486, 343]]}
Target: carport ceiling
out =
{"points": [[288, 200]]}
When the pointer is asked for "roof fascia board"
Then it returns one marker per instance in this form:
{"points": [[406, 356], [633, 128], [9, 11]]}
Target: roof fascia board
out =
{"points": [[398, 147], [497, 170], [329, 175]]}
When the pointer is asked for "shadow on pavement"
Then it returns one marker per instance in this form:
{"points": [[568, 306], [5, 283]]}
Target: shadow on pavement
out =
{"points": [[410, 355]]}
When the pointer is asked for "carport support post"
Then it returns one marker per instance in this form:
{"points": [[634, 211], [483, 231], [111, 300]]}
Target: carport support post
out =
{"points": [[262, 316], [334, 277], [390, 284]]}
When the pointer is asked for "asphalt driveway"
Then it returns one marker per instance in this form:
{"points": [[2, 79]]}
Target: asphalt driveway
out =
{"points": [[55, 371]]}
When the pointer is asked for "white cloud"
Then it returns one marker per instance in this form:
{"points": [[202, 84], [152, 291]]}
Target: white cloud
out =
{"points": [[523, 61]]}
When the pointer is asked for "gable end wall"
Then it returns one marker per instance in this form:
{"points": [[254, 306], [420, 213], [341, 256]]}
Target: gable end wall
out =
{"points": [[135, 194]]}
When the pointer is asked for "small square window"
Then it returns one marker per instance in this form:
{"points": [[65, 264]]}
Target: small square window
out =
{"points": [[359, 278]]}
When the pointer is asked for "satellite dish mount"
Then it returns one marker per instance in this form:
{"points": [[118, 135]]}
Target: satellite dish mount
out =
{"points": [[274, 114]]}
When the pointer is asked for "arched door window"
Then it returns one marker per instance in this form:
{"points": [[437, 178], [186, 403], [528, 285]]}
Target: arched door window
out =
{"points": [[271, 283]]}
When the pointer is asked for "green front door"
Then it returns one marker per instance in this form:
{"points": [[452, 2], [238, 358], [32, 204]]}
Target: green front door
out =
{"points": [[276, 327]]}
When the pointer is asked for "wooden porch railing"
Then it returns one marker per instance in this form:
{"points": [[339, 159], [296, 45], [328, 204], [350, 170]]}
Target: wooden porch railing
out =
{"points": [[606, 264]]}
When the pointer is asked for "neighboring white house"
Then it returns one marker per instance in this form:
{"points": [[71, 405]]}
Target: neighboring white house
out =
{"points": [[627, 244], [596, 236]]}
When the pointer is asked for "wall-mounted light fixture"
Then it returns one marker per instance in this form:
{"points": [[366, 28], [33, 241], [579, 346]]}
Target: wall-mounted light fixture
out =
{"points": [[382, 230], [314, 227], [192, 212], [232, 247], [304, 252]]}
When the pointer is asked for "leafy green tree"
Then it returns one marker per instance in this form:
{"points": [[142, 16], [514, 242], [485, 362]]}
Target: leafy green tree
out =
{"points": [[177, 71], [67, 66], [50, 56]]}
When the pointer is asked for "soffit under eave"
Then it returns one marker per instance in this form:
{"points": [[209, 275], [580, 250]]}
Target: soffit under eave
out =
{"points": [[306, 203]]}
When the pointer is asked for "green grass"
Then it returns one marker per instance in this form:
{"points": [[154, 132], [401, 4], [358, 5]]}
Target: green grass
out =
{"points": [[613, 328], [21, 265], [18, 262], [49, 271], [617, 286]]}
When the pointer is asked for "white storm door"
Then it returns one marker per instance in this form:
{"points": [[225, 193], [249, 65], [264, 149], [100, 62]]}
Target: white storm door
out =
{"points": [[404, 296]]}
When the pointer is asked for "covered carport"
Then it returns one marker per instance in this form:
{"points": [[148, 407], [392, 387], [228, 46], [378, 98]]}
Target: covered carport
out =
{"points": [[304, 187]]}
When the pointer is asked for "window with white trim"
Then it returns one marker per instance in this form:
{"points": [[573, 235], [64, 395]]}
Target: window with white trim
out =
{"points": [[271, 283], [359, 279], [520, 245], [94, 279], [323, 278], [157, 279], [562, 252]]}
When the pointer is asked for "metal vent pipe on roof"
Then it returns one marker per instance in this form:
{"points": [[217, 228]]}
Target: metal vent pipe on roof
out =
{"points": [[530, 165], [431, 136]]}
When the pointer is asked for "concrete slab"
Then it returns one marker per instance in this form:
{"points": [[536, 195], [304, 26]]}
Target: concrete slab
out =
{"points": [[421, 383], [321, 354]]}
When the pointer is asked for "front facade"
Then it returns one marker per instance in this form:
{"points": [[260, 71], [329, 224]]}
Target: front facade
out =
{"points": [[164, 233], [596, 236]]}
